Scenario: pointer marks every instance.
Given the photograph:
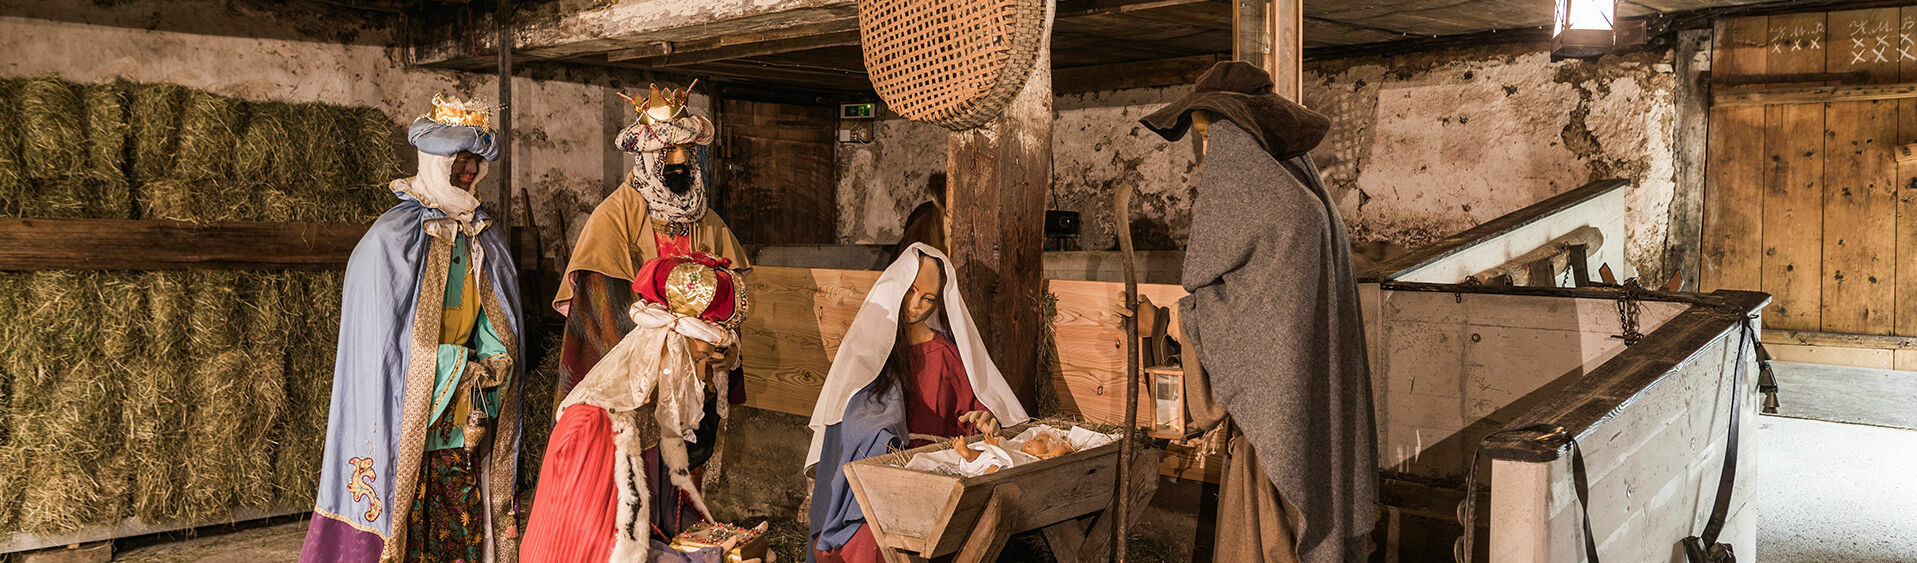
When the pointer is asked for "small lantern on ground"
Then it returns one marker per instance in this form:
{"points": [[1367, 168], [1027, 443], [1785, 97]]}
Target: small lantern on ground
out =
{"points": [[1584, 29]]}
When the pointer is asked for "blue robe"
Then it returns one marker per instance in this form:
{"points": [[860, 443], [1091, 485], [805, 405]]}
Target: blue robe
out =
{"points": [[354, 519], [868, 429]]}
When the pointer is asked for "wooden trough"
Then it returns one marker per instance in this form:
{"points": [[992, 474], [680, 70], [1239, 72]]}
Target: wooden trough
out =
{"points": [[915, 515]]}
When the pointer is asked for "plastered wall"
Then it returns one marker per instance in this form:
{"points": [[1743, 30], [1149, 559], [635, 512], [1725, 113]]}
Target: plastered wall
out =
{"points": [[564, 119], [1422, 146]]}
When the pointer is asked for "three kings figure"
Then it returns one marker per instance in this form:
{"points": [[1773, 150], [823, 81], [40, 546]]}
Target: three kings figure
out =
{"points": [[423, 435], [659, 211]]}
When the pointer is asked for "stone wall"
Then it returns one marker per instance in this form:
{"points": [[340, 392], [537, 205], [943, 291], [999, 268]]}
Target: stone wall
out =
{"points": [[564, 118], [1422, 146]]}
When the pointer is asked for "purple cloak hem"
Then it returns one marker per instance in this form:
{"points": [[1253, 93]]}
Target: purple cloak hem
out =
{"points": [[329, 540]]}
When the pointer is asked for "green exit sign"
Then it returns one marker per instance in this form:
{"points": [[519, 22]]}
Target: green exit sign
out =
{"points": [[857, 111]]}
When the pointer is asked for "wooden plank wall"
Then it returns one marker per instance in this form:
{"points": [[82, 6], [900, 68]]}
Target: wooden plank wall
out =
{"points": [[800, 316], [1805, 200]]}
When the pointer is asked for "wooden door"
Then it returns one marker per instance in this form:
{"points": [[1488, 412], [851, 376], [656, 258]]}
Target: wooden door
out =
{"points": [[1803, 196], [777, 184]]}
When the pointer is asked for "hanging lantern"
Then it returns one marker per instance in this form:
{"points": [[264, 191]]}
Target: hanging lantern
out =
{"points": [[1584, 29]]}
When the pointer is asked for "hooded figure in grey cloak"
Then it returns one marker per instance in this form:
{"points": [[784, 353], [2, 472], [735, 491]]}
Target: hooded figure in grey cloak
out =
{"points": [[1273, 315]]}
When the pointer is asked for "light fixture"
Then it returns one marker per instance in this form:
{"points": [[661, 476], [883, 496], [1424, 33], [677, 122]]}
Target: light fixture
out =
{"points": [[1584, 29]]}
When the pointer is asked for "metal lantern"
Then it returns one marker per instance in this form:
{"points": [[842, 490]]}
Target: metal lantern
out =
{"points": [[1584, 29]]}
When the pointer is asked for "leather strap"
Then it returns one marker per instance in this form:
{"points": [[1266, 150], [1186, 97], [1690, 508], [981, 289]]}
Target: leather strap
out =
{"points": [[1725, 481]]}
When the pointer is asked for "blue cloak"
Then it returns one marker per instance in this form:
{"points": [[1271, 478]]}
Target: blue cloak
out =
{"points": [[368, 476], [868, 429]]}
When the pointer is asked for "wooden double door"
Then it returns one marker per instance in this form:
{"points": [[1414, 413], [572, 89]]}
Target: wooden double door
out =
{"points": [[1804, 197], [777, 179]]}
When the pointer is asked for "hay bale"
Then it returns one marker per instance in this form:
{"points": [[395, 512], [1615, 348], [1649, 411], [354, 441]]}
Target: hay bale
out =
{"points": [[155, 122], [13, 173], [12, 485], [322, 148], [156, 406], [309, 386], [210, 128], [52, 141], [168, 199], [541, 382], [373, 144], [267, 153], [69, 424], [106, 133], [263, 383]]}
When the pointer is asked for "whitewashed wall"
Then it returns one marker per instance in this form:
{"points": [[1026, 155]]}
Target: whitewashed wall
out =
{"points": [[1422, 146]]}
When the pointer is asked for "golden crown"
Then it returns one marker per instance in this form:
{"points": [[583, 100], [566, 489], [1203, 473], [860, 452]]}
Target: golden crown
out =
{"points": [[453, 111], [661, 105]]}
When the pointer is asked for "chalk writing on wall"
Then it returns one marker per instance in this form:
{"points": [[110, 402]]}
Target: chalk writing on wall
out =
{"points": [[1797, 37], [1906, 50], [1870, 41]]}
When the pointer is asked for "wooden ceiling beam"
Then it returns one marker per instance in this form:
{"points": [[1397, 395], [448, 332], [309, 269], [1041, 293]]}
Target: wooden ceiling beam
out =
{"points": [[1083, 8], [1138, 74], [837, 34], [676, 56]]}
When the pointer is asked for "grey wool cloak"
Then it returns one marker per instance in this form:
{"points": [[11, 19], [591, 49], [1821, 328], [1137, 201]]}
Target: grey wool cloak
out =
{"points": [[1273, 311]]}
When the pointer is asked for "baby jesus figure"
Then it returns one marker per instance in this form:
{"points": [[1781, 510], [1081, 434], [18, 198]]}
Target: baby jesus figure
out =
{"points": [[651, 386]]}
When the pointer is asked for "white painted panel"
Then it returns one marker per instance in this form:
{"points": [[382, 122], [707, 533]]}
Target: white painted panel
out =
{"points": [[1606, 212]]}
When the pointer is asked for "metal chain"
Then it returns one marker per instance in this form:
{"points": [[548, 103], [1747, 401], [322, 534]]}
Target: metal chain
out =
{"points": [[1627, 311]]}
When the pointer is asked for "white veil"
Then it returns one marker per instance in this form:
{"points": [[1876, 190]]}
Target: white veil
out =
{"points": [[867, 344]]}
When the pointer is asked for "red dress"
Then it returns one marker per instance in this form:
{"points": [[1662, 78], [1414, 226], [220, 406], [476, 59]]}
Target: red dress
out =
{"points": [[937, 394]]}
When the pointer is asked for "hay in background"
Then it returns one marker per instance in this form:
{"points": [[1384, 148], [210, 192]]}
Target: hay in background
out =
{"points": [[266, 153], [309, 386], [373, 146], [541, 382], [67, 420], [215, 386], [107, 132], [322, 156], [13, 173], [156, 404], [209, 132], [51, 115], [154, 118], [168, 199], [263, 382]]}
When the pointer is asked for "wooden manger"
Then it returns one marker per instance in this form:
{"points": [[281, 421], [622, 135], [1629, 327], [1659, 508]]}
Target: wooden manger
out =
{"points": [[916, 515]]}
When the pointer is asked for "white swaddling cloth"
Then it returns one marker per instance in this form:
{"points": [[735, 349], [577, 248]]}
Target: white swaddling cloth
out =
{"points": [[1006, 453]]}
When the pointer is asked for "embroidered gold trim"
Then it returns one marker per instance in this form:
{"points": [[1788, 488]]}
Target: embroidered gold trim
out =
{"points": [[349, 522], [505, 434], [420, 371]]}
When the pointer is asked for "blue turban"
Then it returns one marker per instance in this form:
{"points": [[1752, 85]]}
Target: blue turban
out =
{"points": [[433, 137]]}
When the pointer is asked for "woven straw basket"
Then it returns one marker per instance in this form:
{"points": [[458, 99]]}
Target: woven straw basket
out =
{"points": [[955, 63]]}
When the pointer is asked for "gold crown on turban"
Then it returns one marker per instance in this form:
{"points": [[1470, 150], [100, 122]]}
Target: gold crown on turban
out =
{"points": [[453, 111], [661, 105]]}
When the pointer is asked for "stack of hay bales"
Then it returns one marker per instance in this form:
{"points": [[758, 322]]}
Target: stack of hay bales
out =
{"points": [[171, 395]]}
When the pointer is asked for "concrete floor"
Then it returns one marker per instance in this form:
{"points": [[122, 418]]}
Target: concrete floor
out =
{"points": [[258, 544], [1835, 492], [1828, 492]]}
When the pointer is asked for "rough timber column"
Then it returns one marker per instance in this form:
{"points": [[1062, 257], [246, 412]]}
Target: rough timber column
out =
{"points": [[1270, 34], [997, 177]]}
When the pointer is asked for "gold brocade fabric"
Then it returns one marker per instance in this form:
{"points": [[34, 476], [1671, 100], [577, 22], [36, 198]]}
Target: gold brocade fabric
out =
{"points": [[618, 238]]}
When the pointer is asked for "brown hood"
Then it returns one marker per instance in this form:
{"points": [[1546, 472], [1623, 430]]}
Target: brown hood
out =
{"points": [[1241, 93]]}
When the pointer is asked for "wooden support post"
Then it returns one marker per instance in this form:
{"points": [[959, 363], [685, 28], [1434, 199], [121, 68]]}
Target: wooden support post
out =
{"points": [[998, 175], [1684, 239], [1270, 34]]}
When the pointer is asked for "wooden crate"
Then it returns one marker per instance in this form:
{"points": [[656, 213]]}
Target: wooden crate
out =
{"points": [[919, 514]]}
